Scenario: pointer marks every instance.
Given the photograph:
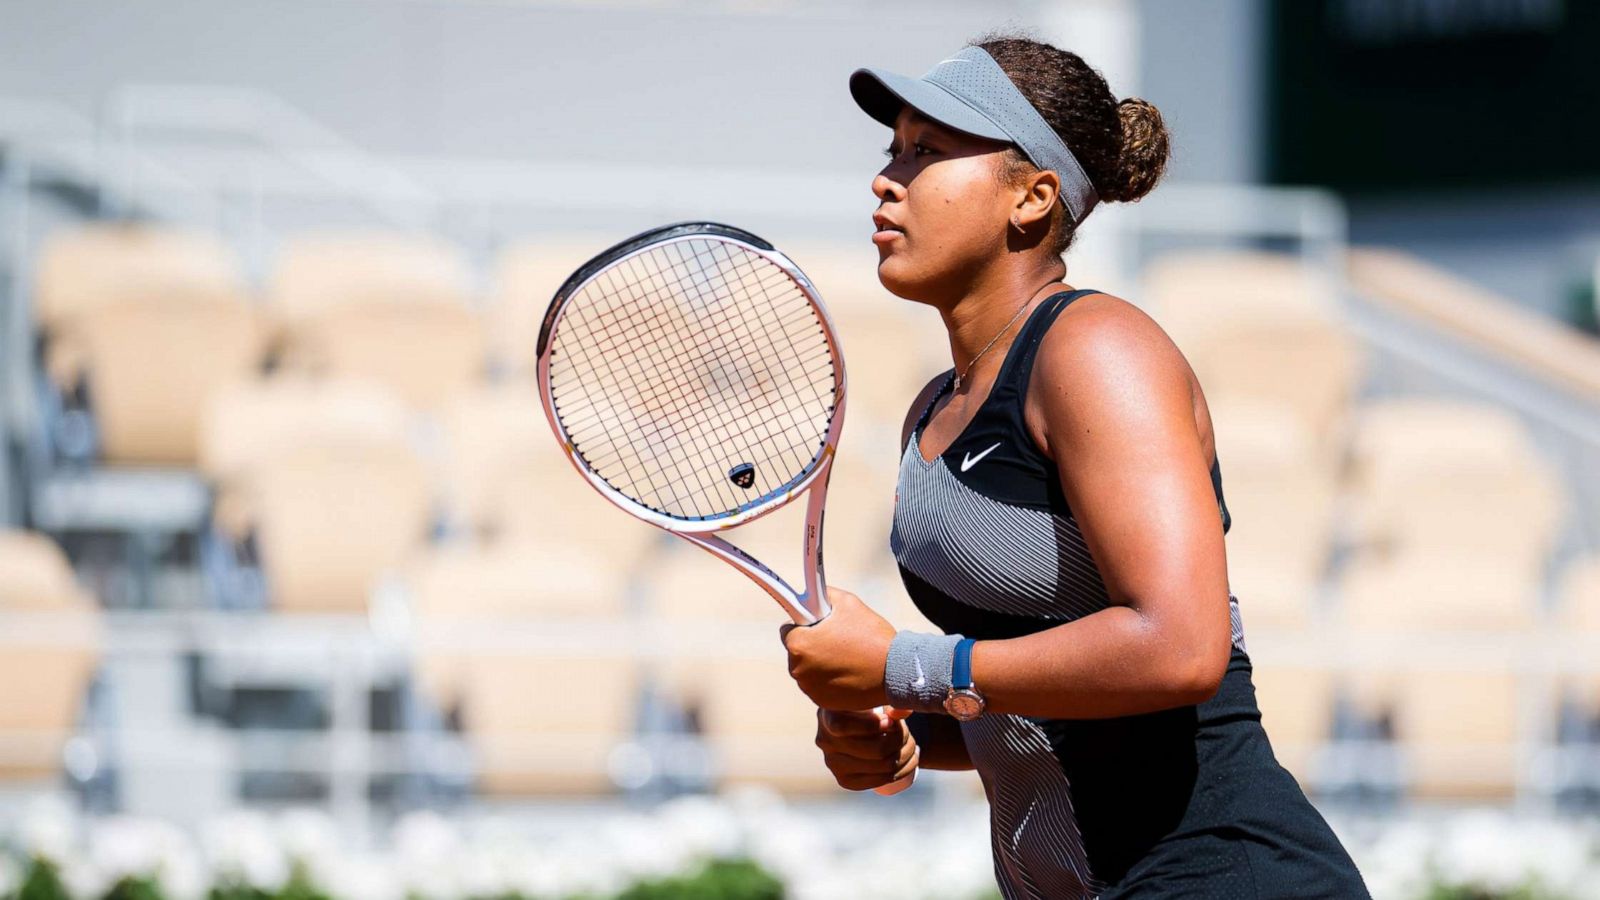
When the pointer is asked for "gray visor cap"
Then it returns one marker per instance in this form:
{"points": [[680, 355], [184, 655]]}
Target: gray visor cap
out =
{"points": [[970, 93]]}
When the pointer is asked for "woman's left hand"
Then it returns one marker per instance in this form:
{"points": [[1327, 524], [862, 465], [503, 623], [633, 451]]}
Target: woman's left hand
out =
{"points": [[839, 661]]}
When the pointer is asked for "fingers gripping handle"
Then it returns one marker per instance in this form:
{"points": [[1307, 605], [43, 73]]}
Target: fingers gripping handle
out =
{"points": [[889, 716]]}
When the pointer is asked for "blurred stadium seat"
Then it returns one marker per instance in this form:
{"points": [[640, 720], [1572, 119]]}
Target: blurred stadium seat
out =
{"points": [[152, 367], [1297, 712], [392, 308], [1279, 485], [489, 434], [35, 574], [1260, 326], [467, 590], [427, 352], [1579, 594], [317, 273], [759, 727], [527, 276], [155, 320], [49, 650], [1457, 728], [1437, 591], [547, 723], [1434, 476], [82, 267], [333, 522]]}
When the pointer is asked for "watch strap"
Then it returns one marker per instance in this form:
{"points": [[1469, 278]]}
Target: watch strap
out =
{"points": [[961, 665]]}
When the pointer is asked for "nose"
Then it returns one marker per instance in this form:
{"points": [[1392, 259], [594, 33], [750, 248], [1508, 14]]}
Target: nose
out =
{"points": [[886, 189]]}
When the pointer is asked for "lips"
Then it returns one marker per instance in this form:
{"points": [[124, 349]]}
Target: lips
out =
{"points": [[887, 229]]}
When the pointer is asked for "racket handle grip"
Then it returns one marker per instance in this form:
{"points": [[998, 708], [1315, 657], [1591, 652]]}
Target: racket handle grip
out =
{"points": [[891, 714]]}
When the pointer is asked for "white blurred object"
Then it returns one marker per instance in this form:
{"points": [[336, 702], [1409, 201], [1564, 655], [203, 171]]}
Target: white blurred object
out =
{"points": [[241, 849]]}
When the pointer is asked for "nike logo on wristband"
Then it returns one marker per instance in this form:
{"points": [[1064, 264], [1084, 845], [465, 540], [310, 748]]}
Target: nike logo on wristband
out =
{"points": [[922, 679]]}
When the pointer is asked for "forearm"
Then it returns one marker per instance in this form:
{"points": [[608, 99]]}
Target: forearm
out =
{"points": [[940, 742], [1115, 662]]}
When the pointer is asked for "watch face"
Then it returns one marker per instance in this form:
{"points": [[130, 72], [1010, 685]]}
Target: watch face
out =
{"points": [[964, 705]]}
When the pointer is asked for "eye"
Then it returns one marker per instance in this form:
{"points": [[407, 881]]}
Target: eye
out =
{"points": [[918, 147]]}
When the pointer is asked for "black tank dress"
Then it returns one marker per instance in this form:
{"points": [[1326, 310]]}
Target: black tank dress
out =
{"points": [[1187, 802]]}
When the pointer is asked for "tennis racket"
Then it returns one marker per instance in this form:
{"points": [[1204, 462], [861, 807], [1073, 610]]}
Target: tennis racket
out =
{"points": [[693, 378]]}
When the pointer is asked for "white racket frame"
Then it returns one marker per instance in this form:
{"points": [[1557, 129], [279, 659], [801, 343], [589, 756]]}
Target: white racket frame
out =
{"points": [[804, 607]]}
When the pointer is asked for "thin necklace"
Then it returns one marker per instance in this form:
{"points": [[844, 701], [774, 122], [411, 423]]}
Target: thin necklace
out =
{"points": [[1007, 327]]}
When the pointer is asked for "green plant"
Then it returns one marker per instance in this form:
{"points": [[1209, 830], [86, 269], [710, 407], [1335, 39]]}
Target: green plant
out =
{"points": [[716, 880], [42, 881]]}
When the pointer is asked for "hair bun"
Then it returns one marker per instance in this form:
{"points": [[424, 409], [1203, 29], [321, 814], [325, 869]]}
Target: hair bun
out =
{"points": [[1146, 147]]}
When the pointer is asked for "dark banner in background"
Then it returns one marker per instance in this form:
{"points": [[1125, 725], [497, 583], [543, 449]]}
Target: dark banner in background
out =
{"points": [[1404, 94]]}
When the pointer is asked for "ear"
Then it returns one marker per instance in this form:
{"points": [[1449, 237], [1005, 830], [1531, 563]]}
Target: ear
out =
{"points": [[1038, 198]]}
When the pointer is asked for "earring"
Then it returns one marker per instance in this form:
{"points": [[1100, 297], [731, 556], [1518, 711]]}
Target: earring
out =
{"points": [[1015, 224]]}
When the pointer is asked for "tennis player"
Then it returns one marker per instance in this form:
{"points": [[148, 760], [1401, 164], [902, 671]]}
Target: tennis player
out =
{"points": [[1060, 516]]}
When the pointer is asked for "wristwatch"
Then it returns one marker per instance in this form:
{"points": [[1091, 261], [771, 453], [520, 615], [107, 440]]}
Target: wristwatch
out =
{"points": [[963, 701]]}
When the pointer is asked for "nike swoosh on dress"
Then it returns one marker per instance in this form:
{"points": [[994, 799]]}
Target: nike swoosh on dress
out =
{"points": [[968, 460]]}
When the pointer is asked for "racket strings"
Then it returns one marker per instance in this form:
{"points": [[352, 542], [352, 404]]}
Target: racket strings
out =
{"points": [[683, 363]]}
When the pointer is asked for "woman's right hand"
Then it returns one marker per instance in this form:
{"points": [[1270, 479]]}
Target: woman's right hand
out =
{"points": [[865, 750]]}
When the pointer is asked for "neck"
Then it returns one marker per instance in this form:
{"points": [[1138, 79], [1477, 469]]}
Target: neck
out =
{"points": [[984, 311]]}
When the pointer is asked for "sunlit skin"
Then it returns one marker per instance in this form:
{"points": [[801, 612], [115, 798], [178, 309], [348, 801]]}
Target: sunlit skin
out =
{"points": [[1112, 401]]}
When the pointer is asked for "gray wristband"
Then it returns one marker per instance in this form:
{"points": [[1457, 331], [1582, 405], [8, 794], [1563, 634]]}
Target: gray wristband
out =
{"points": [[917, 675]]}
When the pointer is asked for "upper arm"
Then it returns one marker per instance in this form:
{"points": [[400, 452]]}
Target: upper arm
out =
{"points": [[1112, 402]]}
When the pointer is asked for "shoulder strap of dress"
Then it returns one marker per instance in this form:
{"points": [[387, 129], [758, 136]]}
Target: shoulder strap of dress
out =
{"points": [[927, 408], [1018, 370]]}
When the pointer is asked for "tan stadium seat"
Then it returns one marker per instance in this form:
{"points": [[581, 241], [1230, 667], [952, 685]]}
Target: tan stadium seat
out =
{"points": [[527, 276], [428, 353], [1297, 712], [540, 496], [1259, 325], [474, 589], [82, 268], [334, 522], [1202, 291], [1279, 485], [252, 423], [1393, 439], [49, 648], [1307, 367], [547, 724], [858, 518], [760, 728], [489, 433], [153, 365], [687, 585], [517, 580], [1457, 729], [35, 574], [890, 353], [1431, 591], [318, 273], [844, 274], [1579, 594], [1443, 476]]}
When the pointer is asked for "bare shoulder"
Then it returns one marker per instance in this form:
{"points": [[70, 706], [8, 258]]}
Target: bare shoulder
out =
{"points": [[924, 396], [1105, 356], [1101, 324]]}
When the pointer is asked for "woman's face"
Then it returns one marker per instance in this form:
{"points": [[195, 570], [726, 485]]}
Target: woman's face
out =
{"points": [[942, 213]]}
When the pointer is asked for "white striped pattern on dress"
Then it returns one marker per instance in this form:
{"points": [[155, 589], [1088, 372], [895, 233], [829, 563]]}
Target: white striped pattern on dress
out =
{"points": [[1009, 559], [1038, 851], [950, 536]]}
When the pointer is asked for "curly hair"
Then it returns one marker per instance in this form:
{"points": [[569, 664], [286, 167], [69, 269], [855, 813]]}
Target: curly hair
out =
{"points": [[1122, 146]]}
